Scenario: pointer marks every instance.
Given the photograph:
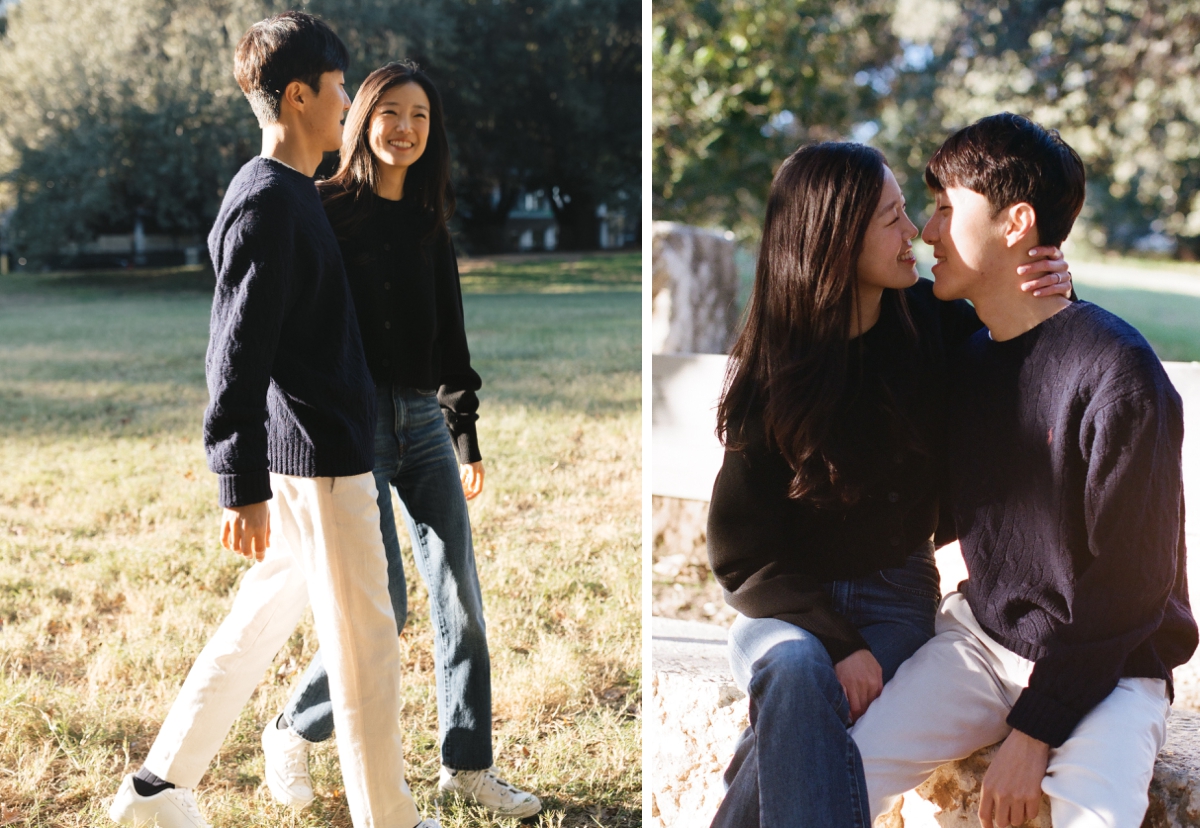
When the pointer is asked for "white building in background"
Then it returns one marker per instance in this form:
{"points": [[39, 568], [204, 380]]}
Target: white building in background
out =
{"points": [[531, 224]]}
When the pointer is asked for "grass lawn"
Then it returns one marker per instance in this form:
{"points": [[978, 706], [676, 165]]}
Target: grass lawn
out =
{"points": [[1169, 321], [112, 578]]}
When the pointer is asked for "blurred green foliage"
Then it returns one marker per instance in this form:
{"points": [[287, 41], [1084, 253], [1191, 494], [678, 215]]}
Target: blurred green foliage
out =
{"points": [[120, 108], [1118, 79]]}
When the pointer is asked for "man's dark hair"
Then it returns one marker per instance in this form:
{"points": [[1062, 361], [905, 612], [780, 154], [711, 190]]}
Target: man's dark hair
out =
{"points": [[292, 46], [1010, 159]]}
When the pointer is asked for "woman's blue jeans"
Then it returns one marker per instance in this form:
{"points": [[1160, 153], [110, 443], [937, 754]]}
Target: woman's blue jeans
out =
{"points": [[796, 765], [414, 453]]}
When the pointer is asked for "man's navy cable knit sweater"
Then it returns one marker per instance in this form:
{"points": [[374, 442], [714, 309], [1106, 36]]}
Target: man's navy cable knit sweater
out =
{"points": [[1065, 482], [289, 389]]}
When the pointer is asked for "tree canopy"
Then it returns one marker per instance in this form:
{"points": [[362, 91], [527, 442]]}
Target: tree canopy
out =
{"points": [[117, 109], [1118, 79]]}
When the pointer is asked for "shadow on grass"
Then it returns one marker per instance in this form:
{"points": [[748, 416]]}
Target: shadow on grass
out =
{"points": [[80, 355]]}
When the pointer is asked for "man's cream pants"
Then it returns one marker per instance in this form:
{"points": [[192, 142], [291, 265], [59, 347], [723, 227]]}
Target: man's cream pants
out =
{"points": [[952, 698], [326, 548]]}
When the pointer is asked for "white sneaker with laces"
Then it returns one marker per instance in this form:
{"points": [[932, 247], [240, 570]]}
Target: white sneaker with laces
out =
{"points": [[286, 756], [170, 808], [486, 788]]}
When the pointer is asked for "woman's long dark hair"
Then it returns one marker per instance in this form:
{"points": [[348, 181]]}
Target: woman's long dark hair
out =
{"points": [[789, 365], [427, 180]]}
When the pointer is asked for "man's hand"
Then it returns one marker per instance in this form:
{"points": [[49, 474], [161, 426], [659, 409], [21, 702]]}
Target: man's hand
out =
{"points": [[471, 475], [861, 678], [246, 530], [1012, 786], [1056, 280]]}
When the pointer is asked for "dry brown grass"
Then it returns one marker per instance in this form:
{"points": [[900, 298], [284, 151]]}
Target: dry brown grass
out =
{"points": [[111, 578]]}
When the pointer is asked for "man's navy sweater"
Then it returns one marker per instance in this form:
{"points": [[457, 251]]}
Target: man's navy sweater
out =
{"points": [[289, 389], [1065, 483]]}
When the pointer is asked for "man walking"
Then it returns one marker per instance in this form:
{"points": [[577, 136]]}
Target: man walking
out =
{"points": [[289, 431], [1065, 489]]}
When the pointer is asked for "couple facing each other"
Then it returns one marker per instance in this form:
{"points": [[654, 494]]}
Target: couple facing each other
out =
{"points": [[868, 415], [337, 366]]}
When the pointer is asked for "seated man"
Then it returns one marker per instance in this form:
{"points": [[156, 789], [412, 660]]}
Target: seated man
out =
{"points": [[1065, 488]]}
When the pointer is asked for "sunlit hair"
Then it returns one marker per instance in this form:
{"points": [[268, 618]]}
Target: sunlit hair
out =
{"points": [[292, 46], [788, 369], [427, 181], [1009, 159]]}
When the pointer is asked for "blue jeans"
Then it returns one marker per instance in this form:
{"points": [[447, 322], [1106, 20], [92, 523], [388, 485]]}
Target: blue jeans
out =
{"points": [[796, 765], [414, 453]]}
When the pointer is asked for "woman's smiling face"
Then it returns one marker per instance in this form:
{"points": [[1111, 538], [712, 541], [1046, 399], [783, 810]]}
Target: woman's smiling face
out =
{"points": [[399, 128], [887, 259]]}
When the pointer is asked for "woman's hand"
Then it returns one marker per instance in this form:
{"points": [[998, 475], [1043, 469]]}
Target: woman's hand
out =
{"points": [[1056, 278], [861, 678], [471, 475]]}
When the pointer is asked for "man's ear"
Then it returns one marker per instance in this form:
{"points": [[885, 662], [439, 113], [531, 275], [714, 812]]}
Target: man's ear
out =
{"points": [[296, 94], [1021, 221]]}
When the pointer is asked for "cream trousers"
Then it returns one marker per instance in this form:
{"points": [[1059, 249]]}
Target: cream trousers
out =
{"points": [[952, 698], [326, 548]]}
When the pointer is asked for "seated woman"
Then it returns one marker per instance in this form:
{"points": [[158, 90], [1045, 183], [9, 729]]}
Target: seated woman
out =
{"points": [[822, 518]]}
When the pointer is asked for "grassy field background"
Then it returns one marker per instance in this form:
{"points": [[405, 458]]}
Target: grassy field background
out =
{"points": [[112, 579]]}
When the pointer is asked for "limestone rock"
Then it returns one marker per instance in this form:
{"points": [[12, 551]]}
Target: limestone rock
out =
{"points": [[694, 290], [697, 713]]}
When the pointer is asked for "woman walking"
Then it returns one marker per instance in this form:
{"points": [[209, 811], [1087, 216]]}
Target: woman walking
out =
{"points": [[388, 203], [822, 517]]}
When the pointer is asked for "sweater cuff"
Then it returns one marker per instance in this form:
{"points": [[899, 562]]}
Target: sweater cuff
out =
{"points": [[466, 444], [244, 489], [840, 648], [1043, 718]]}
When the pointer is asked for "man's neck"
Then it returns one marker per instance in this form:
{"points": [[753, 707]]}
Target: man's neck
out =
{"points": [[289, 146], [1008, 312]]}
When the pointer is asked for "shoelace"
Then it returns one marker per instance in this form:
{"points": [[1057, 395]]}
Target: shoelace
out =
{"points": [[189, 805], [296, 765], [491, 776]]}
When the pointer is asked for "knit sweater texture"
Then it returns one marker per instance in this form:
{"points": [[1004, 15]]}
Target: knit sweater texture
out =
{"points": [[1065, 487], [409, 303], [772, 554], [289, 389]]}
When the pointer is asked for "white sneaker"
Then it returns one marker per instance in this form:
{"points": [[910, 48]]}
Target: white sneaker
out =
{"points": [[286, 756], [170, 808], [486, 788], [428, 823]]}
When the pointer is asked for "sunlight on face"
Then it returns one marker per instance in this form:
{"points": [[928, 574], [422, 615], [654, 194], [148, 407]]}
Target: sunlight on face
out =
{"points": [[399, 127], [963, 233], [887, 259]]}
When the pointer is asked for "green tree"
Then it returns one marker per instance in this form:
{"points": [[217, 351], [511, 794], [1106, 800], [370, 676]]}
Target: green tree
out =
{"points": [[553, 103], [738, 85], [119, 108], [1117, 78]]}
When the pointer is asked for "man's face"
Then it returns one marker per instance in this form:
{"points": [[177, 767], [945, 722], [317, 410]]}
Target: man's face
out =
{"points": [[323, 115], [965, 238]]}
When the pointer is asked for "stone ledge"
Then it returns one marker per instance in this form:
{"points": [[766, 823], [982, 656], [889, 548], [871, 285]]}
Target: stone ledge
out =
{"points": [[698, 713]]}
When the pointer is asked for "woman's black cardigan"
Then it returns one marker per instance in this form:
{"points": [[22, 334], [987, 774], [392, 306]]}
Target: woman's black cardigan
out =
{"points": [[772, 554], [408, 301]]}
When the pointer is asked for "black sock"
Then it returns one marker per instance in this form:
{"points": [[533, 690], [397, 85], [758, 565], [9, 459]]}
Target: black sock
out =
{"points": [[147, 784], [283, 723]]}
